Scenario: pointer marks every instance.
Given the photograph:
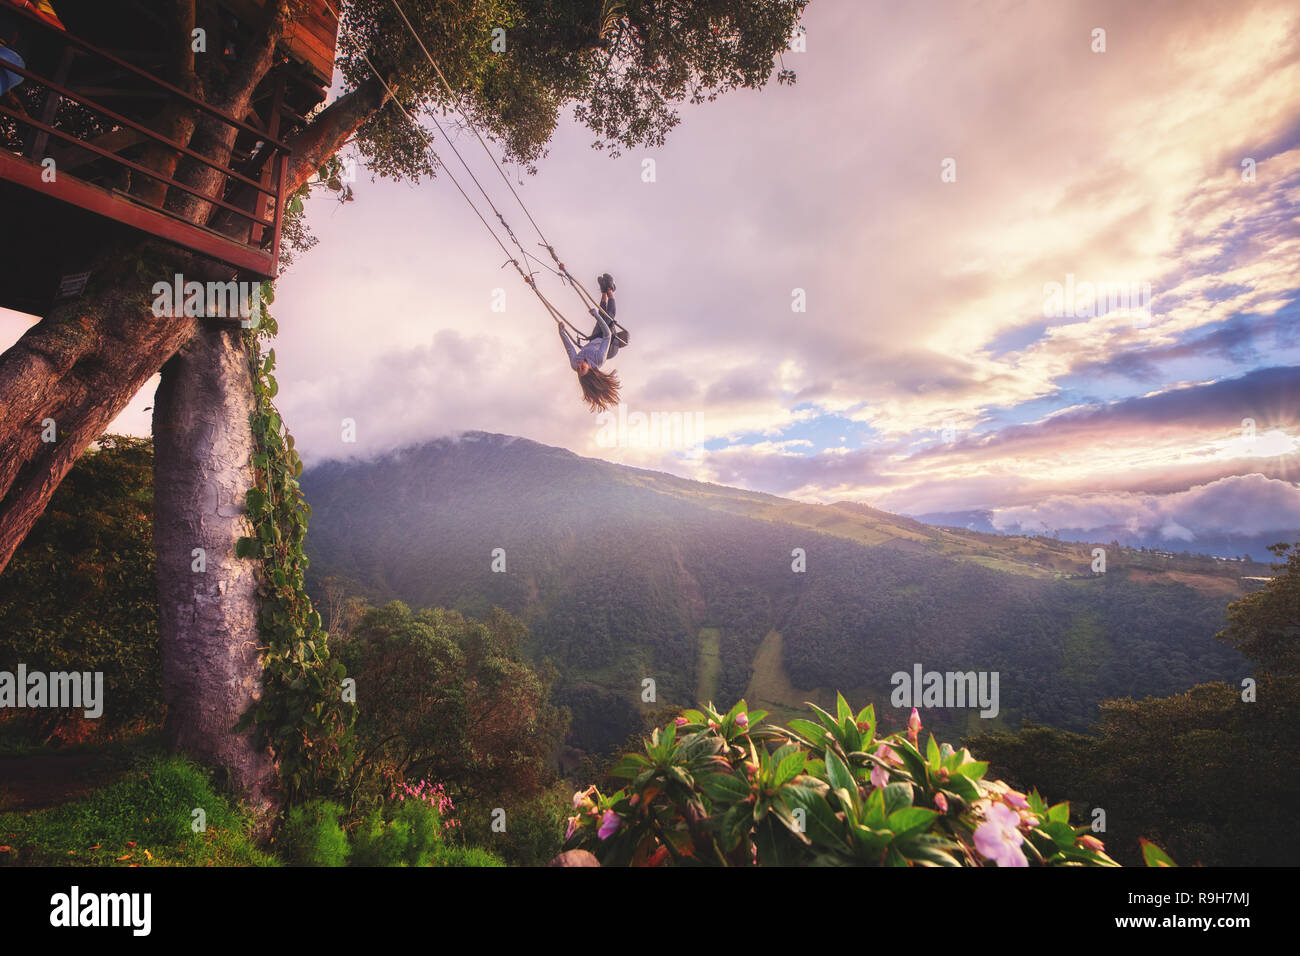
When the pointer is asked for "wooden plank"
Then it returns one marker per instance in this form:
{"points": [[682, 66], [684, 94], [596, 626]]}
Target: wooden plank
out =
{"points": [[98, 200], [311, 38]]}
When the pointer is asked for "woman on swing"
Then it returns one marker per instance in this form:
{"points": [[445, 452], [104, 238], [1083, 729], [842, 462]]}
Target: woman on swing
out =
{"points": [[599, 389]]}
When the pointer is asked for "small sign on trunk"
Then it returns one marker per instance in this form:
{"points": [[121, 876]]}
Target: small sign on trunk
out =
{"points": [[73, 284]]}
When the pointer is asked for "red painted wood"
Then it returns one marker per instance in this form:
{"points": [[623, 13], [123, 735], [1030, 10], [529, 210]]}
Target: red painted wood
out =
{"points": [[96, 199]]}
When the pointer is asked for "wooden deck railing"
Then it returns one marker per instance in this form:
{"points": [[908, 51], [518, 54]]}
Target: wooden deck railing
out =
{"points": [[102, 112]]}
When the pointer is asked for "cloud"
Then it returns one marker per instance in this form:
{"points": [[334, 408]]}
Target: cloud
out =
{"points": [[1239, 506], [925, 299]]}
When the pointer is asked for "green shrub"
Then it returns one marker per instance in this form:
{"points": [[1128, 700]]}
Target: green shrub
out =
{"points": [[465, 856], [312, 836], [718, 789], [410, 838], [536, 825], [146, 817], [81, 591]]}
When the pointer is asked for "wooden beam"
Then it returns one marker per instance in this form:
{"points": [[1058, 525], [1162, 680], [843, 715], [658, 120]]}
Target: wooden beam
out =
{"points": [[103, 202]]}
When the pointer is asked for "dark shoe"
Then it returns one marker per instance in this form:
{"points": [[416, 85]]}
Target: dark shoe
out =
{"points": [[606, 282]]}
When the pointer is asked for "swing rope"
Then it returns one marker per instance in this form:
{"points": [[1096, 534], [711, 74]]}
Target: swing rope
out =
{"points": [[583, 295], [528, 278]]}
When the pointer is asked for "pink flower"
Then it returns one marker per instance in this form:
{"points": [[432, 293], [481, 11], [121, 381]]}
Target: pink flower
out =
{"points": [[583, 797], [742, 720], [682, 721], [1092, 843], [941, 803], [1017, 800], [913, 725], [998, 838], [571, 829], [879, 775], [609, 825]]}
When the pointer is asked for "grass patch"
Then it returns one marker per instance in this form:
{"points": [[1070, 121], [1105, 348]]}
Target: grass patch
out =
{"points": [[446, 855], [710, 663], [146, 818]]}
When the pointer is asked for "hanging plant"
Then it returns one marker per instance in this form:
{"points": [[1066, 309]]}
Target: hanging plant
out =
{"points": [[301, 716]]}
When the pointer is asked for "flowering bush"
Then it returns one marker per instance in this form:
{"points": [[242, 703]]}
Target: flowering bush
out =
{"points": [[408, 830], [434, 794], [719, 789]]}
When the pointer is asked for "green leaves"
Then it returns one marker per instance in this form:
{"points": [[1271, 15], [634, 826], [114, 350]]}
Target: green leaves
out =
{"points": [[819, 823], [811, 731], [301, 715], [1152, 855], [724, 788], [909, 820], [731, 794], [790, 767], [837, 773]]}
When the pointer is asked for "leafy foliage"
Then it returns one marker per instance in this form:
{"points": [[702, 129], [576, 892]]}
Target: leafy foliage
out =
{"points": [[449, 698], [715, 788], [1183, 768], [621, 64], [301, 714], [81, 594], [313, 836], [409, 837], [1265, 626], [408, 829]]}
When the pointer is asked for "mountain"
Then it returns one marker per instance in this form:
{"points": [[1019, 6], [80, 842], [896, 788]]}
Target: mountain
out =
{"points": [[974, 520], [626, 575]]}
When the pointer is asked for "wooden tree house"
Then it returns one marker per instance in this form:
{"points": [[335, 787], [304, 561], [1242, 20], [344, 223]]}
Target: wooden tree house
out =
{"points": [[94, 104]]}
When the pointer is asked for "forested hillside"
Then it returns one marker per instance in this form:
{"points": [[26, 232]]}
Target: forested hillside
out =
{"points": [[624, 574]]}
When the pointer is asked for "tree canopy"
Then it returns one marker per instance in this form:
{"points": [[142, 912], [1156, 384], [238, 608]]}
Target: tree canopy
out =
{"points": [[623, 66], [1265, 626]]}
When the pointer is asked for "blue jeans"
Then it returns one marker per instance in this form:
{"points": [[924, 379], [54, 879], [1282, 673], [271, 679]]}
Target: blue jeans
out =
{"points": [[620, 334], [9, 79]]}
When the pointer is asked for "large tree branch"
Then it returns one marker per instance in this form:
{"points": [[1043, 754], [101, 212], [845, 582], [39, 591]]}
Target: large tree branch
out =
{"points": [[68, 377], [325, 135], [176, 121]]}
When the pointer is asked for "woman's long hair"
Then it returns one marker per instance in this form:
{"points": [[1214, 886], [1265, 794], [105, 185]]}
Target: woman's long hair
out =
{"points": [[599, 389]]}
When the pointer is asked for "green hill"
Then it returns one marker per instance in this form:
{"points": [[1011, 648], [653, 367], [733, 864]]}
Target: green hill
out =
{"points": [[626, 575]]}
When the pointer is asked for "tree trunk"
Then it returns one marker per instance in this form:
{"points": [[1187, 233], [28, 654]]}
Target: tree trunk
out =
{"points": [[68, 377], [208, 619], [84, 361]]}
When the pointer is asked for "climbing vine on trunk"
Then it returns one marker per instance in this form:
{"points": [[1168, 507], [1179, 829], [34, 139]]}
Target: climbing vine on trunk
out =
{"points": [[301, 715]]}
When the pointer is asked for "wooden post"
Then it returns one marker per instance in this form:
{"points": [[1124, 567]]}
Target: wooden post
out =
{"points": [[271, 169]]}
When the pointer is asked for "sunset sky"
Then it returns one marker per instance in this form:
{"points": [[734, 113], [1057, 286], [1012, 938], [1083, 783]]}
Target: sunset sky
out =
{"points": [[926, 374]]}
